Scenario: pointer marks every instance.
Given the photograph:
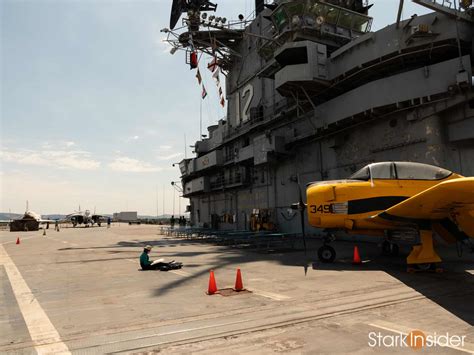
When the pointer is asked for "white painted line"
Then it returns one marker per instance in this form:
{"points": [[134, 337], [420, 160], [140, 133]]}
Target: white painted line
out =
{"points": [[468, 347], [42, 331], [271, 295]]}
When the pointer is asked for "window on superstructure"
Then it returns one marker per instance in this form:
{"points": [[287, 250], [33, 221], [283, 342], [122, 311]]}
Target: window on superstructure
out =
{"points": [[332, 15], [293, 56], [345, 19], [361, 23]]}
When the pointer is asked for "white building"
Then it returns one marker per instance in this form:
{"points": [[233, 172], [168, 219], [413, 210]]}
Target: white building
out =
{"points": [[126, 216]]}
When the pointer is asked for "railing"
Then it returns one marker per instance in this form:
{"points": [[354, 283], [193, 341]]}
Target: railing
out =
{"points": [[220, 183], [269, 114], [313, 13]]}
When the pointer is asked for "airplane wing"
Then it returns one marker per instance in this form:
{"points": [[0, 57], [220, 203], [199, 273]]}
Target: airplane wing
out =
{"points": [[43, 221], [450, 199]]}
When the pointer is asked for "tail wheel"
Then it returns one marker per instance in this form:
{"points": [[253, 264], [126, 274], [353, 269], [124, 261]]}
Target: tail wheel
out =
{"points": [[326, 254]]}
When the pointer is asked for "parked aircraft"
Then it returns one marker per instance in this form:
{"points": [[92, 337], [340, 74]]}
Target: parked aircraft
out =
{"points": [[85, 218], [29, 222], [395, 201]]}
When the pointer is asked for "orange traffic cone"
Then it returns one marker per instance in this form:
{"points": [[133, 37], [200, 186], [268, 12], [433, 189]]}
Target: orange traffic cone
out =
{"points": [[356, 260], [239, 286], [18, 240], [212, 284]]}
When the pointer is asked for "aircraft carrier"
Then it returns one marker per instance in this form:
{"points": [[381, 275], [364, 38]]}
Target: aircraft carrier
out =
{"points": [[313, 94]]}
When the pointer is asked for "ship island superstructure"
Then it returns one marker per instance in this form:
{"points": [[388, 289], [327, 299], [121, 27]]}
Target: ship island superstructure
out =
{"points": [[313, 94]]}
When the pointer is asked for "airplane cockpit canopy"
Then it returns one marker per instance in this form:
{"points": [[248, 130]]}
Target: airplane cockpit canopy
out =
{"points": [[401, 171]]}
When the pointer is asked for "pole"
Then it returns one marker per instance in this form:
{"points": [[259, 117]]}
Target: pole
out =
{"points": [[185, 148], [200, 119], [400, 10], [163, 199], [174, 197], [157, 212]]}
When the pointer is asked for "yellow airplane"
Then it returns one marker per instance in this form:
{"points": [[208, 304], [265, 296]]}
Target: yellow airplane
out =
{"points": [[396, 200]]}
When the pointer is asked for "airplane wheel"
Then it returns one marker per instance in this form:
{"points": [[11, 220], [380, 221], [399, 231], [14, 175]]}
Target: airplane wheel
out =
{"points": [[390, 248], [326, 254], [424, 267]]}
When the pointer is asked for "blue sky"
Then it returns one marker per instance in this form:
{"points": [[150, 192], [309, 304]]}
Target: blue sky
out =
{"points": [[93, 107]]}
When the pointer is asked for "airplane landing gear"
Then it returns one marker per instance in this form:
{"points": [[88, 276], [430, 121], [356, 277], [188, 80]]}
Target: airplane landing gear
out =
{"points": [[326, 254], [423, 257], [433, 267], [390, 249]]}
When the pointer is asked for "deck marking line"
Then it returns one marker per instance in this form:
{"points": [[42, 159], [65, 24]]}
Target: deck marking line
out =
{"points": [[271, 295], [42, 331], [406, 333]]}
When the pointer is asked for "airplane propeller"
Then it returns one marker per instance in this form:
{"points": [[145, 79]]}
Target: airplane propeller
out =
{"points": [[301, 207]]}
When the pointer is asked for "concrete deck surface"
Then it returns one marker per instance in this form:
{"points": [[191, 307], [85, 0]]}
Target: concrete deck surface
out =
{"points": [[87, 284]]}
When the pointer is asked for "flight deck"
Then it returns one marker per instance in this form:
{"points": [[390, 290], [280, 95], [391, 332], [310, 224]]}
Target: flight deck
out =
{"points": [[81, 290]]}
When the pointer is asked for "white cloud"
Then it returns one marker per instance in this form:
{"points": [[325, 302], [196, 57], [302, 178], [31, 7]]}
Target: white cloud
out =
{"points": [[61, 159], [58, 145], [165, 147], [132, 165], [132, 138], [169, 156]]}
